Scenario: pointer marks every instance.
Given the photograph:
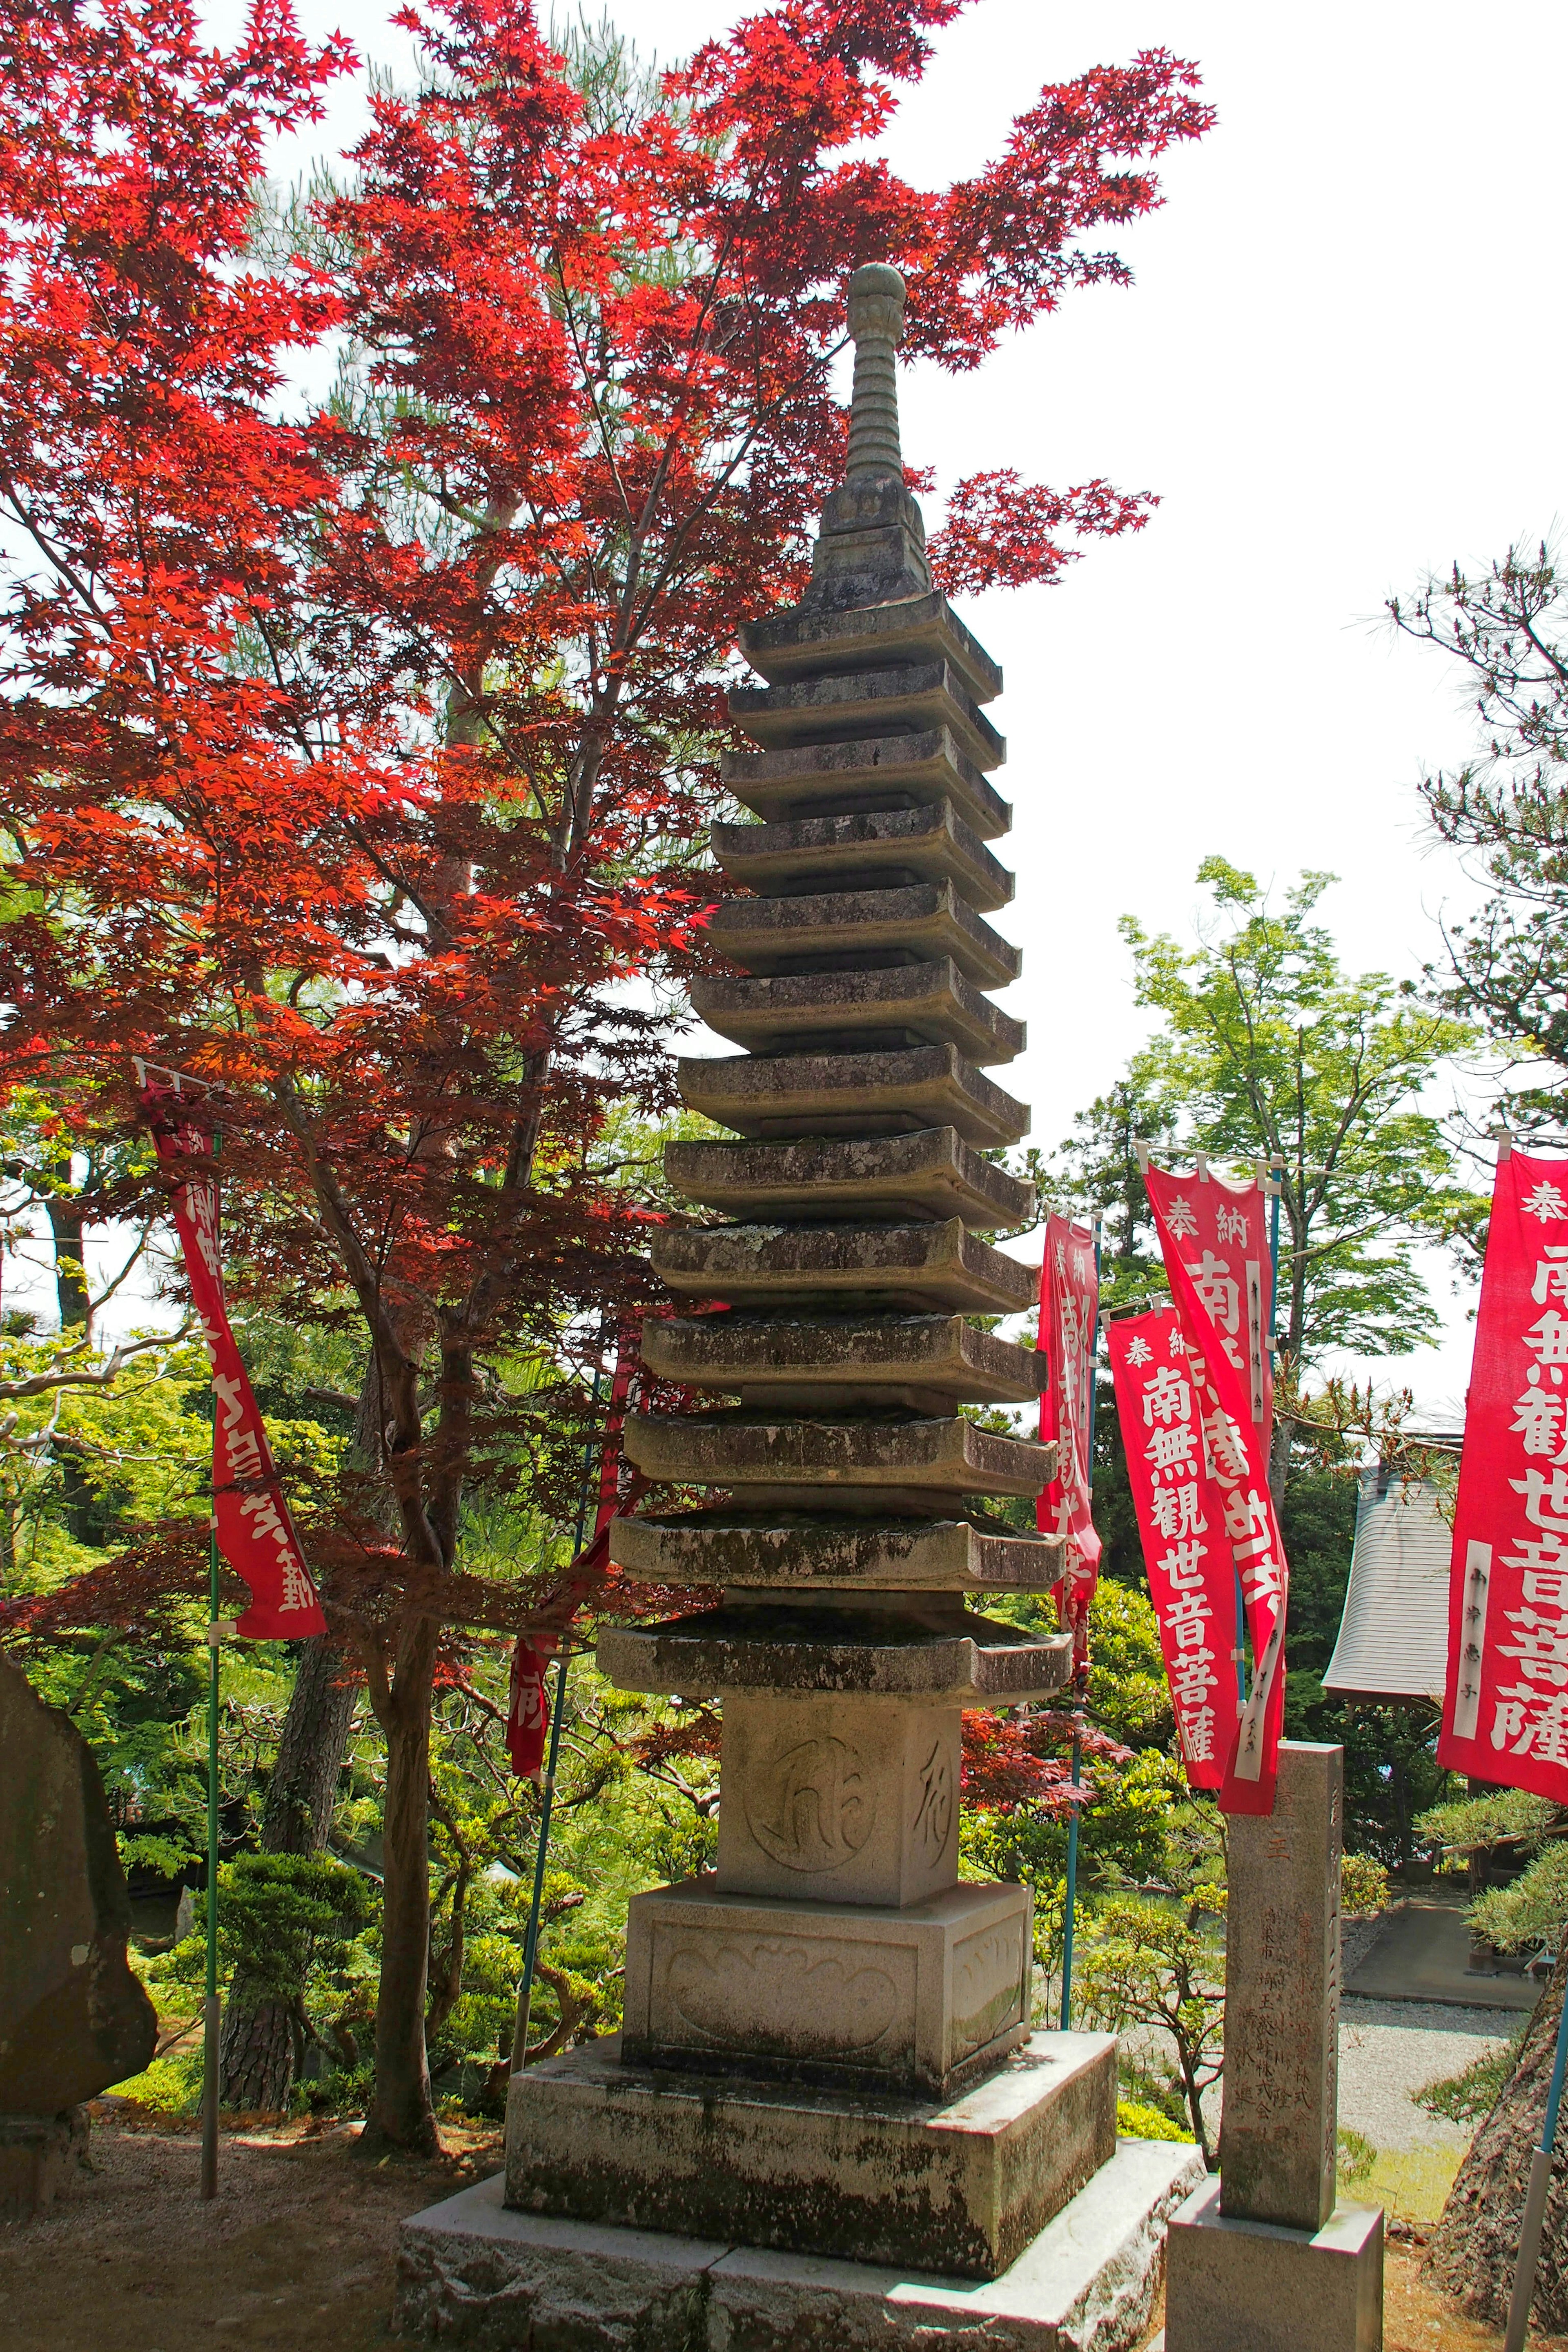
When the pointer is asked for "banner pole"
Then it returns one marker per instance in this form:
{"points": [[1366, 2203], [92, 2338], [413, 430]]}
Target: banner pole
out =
{"points": [[210, 2006], [531, 1940], [1535, 2197], [1069, 1921], [1072, 1881]]}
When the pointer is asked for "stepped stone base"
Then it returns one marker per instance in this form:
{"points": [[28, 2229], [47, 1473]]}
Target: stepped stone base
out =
{"points": [[473, 2275], [920, 2002], [1256, 2286], [961, 2189]]}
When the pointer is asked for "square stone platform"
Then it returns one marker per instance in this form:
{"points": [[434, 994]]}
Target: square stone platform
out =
{"points": [[1256, 2286], [475, 2275], [921, 2001], [960, 2188]]}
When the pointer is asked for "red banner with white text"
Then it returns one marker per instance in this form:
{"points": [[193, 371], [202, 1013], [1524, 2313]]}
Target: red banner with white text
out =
{"points": [[1505, 1711], [1069, 1304], [1181, 1524], [1209, 1291], [255, 1532]]}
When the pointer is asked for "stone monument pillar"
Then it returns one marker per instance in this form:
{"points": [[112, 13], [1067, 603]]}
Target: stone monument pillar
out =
{"points": [[827, 2079], [1265, 2259]]}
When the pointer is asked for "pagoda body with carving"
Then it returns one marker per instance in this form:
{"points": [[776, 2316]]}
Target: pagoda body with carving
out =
{"points": [[827, 2047]]}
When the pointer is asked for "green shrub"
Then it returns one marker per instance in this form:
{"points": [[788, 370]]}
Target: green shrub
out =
{"points": [[1468, 2096], [1363, 1883], [1136, 2121]]}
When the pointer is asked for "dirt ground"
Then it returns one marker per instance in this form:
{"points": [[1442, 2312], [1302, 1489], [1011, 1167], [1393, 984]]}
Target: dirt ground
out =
{"points": [[295, 2254]]}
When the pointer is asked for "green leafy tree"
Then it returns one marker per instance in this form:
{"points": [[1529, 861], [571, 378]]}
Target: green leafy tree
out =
{"points": [[1506, 809], [1146, 1968], [1271, 1049]]}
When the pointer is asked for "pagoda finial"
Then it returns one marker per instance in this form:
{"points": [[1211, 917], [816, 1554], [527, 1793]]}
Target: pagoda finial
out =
{"points": [[875, 325]]}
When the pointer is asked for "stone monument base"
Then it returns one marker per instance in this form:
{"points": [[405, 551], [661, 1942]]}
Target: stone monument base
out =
{"points": [[39, 2154], [473, 2273], [1255, 2287], [960, 2188]]}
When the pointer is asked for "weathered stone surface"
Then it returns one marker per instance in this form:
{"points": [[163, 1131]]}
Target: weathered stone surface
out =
{"points": [[1253, 2286], [908, 698], [969, 1661], [925, 1361], [870, 849], [73, 2018], [960, 2186], [40, 2155], [904, 1005], [925, 1265], [917, 924], [932, 1173], [836, 1459], [859, 1094], [850, 1803], [921, 2000], [887, 772], [726, 1547], [1277, 2137], [797, 643], [472, 2274], [870, 546]]}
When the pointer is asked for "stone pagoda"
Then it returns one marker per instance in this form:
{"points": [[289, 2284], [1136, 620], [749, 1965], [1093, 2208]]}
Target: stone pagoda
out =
{"points": [[827, 2064]]}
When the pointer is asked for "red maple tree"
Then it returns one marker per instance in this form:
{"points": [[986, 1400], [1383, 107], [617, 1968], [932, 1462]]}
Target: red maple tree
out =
{"points": [[355, 756]]}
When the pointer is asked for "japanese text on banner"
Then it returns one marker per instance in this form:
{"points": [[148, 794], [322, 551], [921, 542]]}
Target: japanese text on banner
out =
{"points": [[255, 1532], [1505, 1710], [1069, 1304], [1237, 1453], [1181, 1513]]}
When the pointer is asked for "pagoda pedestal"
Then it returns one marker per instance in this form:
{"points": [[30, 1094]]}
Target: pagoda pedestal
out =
{"points": [[827, 2067]]}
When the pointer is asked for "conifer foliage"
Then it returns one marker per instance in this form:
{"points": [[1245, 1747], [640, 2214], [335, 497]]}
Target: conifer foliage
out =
{"points": [[353, 755]]}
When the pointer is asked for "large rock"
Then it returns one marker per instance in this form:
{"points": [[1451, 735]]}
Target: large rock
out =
{"points": [[73, 2018]]}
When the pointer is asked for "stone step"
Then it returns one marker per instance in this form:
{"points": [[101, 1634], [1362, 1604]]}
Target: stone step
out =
{"points": [[853, 1094], [862, 1463], [928, 1362], [902, 1004], [972, 1661], [796, 642], [884, 771], [870, 850], [908, 700], [931, 1174], [861, 930], [928, 1264], [728, 1546]]}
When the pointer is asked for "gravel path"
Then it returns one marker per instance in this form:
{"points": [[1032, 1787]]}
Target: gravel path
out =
{"points": [[1389, 2049]]}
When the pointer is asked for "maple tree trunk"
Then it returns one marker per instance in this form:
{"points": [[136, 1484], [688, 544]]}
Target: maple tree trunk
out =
{"points": [[1477, 2241], [67, 1223], [402, 2116], [259, 2032]]}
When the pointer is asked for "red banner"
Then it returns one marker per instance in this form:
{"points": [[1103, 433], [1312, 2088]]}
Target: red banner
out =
{"points": [[1505, 1711], [255, 1532], [1181, 1523], [1069, 1304], [1210, 1290]]}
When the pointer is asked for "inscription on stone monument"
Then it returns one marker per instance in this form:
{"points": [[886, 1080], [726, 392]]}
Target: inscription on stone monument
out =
{"points": [[933, 1810], [1281, 2028], [813, 1807]]}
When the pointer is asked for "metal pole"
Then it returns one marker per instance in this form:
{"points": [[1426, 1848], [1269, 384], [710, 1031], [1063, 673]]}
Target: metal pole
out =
{"points": [[1535, 2198], [531, 1940], [210, 2006], [1068, 1922], [1072, 1887]]}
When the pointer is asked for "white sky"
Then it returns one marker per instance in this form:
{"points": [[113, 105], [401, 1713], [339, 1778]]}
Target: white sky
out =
{"points": [[1337, 367]]}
